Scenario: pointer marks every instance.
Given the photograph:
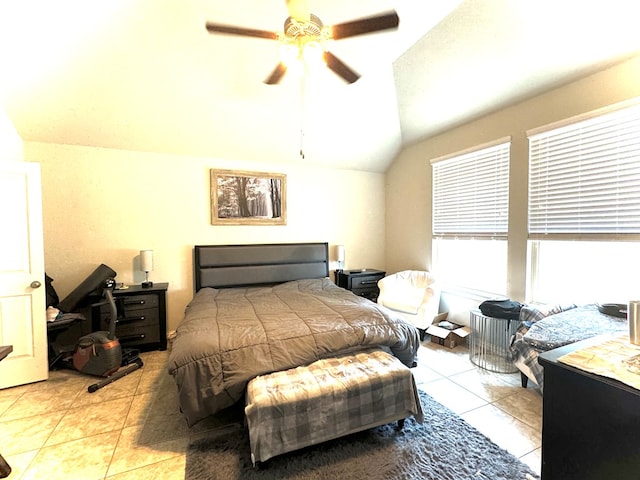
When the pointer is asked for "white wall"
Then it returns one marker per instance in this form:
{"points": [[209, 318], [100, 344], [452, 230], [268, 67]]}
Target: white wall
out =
{"points": [[104, 206], [408, 180], [10, 141]]}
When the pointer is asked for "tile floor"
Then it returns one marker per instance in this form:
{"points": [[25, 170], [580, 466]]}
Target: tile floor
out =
{"points": [[131, 429]]}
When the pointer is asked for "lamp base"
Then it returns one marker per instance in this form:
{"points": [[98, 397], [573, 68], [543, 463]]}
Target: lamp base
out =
{"points": [[146, 284]]}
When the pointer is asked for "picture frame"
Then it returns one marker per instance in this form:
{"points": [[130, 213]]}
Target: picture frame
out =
{"points": [[240, 197]]}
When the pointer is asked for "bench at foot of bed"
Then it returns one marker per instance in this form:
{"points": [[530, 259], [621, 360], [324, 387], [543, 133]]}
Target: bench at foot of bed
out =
{"points": [[327, 399]]}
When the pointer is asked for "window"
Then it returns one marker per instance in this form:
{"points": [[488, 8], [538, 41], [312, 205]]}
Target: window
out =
{"points": [[470, 218], [584, 208], [585, 271]]}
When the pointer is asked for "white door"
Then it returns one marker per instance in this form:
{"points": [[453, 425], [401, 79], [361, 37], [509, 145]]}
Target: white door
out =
{"points": [[23, 321]]}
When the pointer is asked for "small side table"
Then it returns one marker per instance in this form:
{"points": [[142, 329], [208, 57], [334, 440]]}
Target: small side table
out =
{"points": [[362, 282], [489, 344], [5, 469], [142, 316]]}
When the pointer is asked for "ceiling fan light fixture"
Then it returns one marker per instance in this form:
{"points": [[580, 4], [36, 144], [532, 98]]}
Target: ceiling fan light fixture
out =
{"points": [[289, 54], [313, 54], [302, 51]]}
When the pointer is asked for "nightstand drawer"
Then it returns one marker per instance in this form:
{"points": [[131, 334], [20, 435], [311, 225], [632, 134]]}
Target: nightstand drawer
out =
{"points": [[141, 325], [361, 282], [136, 302], [146, 317], [365, 282], [137, 334]]}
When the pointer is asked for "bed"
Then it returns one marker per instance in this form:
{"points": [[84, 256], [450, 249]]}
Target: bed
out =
{"points": [[259, 309]]}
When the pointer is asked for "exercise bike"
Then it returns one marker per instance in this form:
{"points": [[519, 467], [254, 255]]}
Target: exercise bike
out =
{"points": [[100, 353]]}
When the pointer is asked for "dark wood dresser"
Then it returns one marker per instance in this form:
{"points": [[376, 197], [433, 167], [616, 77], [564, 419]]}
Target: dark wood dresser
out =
{"points": [[142, 316], [362, 282], [590, 423]]}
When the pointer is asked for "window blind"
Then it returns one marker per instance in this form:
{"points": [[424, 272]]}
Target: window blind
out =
{"points": [[471, 193], [584, 178]]}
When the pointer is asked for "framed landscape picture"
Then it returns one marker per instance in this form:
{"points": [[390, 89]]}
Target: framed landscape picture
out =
{"points": [[248, 198]]}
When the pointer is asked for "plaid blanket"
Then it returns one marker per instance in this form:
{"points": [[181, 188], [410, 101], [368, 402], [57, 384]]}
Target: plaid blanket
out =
{"points": [[544, 329], [523, 355], [327, 399]]}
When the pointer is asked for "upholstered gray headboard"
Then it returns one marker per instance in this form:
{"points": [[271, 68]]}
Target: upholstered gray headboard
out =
{"points": [[222, 266]]}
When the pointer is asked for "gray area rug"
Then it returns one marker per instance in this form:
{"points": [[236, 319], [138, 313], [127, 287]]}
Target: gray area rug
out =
{"points": [[445, 447]]}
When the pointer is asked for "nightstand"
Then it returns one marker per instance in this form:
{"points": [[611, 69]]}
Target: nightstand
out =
{"points": [[361, 282], [142, 316]]}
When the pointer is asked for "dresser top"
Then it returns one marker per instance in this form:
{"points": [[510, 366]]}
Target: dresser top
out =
{"points": [[157, 287]]}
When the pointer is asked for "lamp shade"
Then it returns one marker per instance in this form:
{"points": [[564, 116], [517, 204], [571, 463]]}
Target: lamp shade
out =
{"points": [[146, 260], [340, 254]]}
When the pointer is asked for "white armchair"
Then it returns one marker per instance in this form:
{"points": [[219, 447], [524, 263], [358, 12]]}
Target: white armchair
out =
{"points": [[413, 294]]}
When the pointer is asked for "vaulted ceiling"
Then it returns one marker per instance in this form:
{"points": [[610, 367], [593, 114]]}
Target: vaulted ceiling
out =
{"points": [[146, 75]]}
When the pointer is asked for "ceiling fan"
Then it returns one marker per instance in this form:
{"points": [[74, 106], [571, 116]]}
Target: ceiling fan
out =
{"points": [[304, 36]]}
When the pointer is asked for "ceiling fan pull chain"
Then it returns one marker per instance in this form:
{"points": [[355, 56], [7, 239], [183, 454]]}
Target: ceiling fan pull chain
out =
{"points": [[302, 100]]}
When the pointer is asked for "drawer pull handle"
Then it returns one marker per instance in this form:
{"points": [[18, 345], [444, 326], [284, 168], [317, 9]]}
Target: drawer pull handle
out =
{"points": [[130, 338], [134, 302], [368, 282], [130, 319]]}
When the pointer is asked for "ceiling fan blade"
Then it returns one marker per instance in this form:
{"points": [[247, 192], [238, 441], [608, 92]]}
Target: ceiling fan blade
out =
{"points": [[277, 74], [245, 32], [339, 67], [299, 10], [376, 23]]}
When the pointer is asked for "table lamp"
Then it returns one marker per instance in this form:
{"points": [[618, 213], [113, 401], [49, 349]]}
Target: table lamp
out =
{"points": [[146, 265], [340, 254]]}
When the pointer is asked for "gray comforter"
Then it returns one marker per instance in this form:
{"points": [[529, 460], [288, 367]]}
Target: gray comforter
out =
{"points": [[229, 336]]}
